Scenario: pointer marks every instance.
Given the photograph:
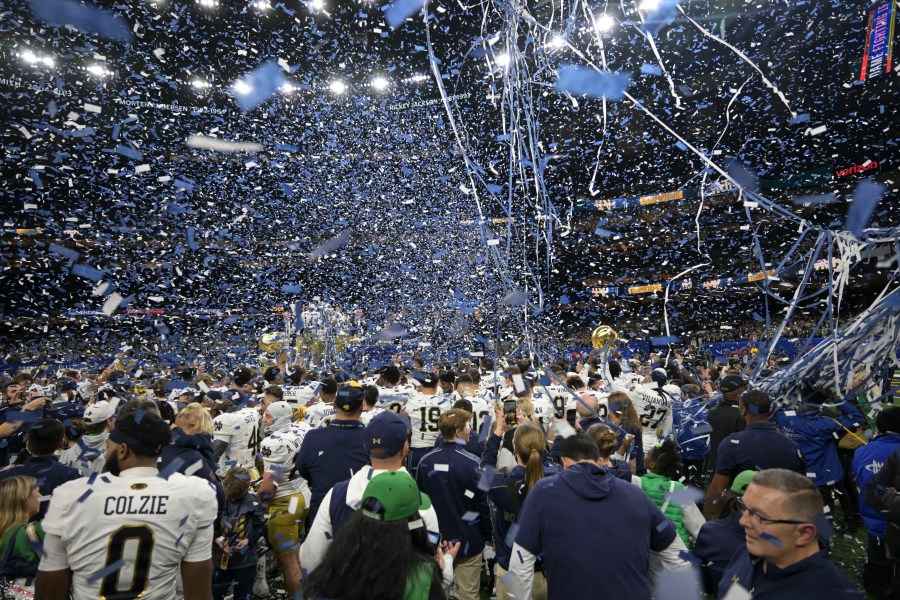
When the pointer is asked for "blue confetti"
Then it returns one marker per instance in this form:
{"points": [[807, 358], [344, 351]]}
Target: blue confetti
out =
{"points": [[108, 570], [866, 196], [85, 18], [584, 81], [257, 86], [397, 12]]}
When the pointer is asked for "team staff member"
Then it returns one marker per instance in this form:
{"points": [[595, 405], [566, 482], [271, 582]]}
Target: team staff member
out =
{"points": [[868, 462], [565, 515], [387, 442], [130, 514], [759, 446], [44, 439], [783, 559], [333, 453], [450, 475]]}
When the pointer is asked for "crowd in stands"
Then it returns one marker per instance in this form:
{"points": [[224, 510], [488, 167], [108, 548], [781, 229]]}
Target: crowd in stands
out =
{"points": [[589, 479]]}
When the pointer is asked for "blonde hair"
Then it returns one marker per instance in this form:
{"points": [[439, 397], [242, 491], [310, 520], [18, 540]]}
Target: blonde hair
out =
{"points": [[14, 495], [196, 415], [529, 442]]}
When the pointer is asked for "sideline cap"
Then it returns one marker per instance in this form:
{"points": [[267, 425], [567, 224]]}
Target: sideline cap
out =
{"points": [[398, 497]]}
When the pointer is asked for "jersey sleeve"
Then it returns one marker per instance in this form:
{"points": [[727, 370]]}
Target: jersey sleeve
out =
{"points": [[224, 429], [57, 513], [54, 558], [201, 547]]}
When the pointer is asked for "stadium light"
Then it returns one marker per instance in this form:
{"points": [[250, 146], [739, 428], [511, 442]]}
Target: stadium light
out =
{"points": [[603, 23], [337, 86], [199, 84], [380, 83], [208, 3], [242, 88], [317, 4], [648, 5], [98, 71], [502, 60], [556, 42], [287, 88]]}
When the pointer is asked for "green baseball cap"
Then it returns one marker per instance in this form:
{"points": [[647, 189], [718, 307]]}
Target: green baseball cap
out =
{"points": [[398, 497], [742, 481]]}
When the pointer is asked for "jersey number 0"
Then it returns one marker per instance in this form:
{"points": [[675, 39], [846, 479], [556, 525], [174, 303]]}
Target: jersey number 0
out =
{"points": [[115, 550]]}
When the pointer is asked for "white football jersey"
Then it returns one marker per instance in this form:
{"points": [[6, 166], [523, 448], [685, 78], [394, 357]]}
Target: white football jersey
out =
{"points": [[394, 398], [557, 396], [299, 395], [424, 413], [320, 414], [279, 450], [654, 407], [543, 407], [149, 523], [482, 411], [241, 430], [368, 415]]}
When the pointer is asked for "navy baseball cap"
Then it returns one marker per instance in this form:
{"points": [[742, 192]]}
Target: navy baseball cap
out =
{"points": [[386, 434]]}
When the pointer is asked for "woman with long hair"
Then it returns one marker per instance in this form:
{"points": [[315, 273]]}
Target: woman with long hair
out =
{"points": [[623, 414], [607, 441], [20, 499], [383, 551], [508, 491]]}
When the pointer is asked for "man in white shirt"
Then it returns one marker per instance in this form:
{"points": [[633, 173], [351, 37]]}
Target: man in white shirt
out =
{"points": [[123, 534], [387, 442]]}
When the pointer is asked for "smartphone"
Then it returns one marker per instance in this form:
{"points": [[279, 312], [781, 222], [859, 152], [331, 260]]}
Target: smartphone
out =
{"points": [[572, 416], [509, 412], [435, 538]]}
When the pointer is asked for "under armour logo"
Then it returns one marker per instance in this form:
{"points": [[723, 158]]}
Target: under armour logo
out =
{"points": [[376, 441]]}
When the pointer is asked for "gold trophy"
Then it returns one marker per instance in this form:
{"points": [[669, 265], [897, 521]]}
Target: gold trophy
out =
{"points": [[271, 343]]}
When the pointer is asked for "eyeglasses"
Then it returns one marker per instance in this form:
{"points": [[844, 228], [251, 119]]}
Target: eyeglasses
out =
{"points": [[761, 520]]}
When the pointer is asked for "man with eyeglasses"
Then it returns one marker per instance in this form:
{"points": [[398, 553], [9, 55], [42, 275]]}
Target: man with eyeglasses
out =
{"points": [[782, 512]]}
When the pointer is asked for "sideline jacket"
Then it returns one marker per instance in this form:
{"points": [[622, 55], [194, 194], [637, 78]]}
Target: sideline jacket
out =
{"points": [[867, 462], [450, 475], [506, 496], [329, 455], [812, 577], [817, 437], [562, 520]]}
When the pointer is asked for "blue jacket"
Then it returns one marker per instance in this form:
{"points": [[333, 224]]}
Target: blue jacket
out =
{"points": [[716, 543], [329, 455], [241, 519], [189, 451], [506, 496], [815, 435], [812, 577], [450, 476], [867, 461], [50, 474], [567, 517]]}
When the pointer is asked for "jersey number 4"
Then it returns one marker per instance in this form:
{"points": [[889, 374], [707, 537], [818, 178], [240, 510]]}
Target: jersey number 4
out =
{"points": [[115, 560]]}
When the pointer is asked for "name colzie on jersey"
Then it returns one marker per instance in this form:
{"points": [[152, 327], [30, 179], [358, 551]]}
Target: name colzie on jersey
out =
{"points": [[136, 505]]}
